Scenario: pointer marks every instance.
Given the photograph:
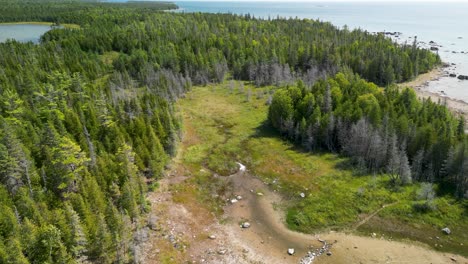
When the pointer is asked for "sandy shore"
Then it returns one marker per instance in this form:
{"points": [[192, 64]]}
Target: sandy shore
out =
{"points": [[419, 85]]}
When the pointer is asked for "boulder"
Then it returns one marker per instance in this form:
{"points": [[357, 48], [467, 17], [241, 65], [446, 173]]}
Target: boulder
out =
{"points": [[245, 225], [446, 231], [463, 77], [291, 251], [453, 75]]}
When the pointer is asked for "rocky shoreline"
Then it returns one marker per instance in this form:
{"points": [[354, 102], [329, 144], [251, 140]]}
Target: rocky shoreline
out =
{"points": [[420, 84]]}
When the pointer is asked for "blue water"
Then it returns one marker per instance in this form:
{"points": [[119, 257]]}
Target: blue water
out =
{"points": [[22, 32], [446, 23]]}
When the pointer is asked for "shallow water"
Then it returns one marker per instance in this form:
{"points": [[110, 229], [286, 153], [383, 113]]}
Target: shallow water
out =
{"points": [[22, 32]]}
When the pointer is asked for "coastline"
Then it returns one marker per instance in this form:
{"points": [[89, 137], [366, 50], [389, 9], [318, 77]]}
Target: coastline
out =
{"points": [[419, 84], [70, 26]]}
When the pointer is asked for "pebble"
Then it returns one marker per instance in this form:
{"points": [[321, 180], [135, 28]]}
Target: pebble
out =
{"points": [[291, 251], [212, 236]]}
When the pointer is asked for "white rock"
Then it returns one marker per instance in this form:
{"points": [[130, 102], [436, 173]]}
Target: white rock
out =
{"points": [[242, 168], [212, 236], [446, 231], [233, 201], [245, 225], [302, 195], [260, 194], [239, 197], [291, 251]]}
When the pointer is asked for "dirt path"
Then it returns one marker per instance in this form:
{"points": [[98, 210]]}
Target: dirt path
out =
{"points": [[365, 220]]}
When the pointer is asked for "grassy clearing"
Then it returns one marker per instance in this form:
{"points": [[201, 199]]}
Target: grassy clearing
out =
{"points": [[70, 26], [223, 126], [109, 57]]}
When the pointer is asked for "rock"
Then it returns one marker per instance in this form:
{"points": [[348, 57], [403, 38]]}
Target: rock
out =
{"points": [[245, 225], [291, 251], [321, 240], [212, 237], [242, 168], [239, 197], [453, 75], [453, 259], [233, 201], [260, 194], [446, 231], [222, 251], [463, 77], [302, 195], [374, 235], [434, 48], [329, 253]]}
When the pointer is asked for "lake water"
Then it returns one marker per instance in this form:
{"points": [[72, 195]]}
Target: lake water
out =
{"points": [[22, 32], [446, 23]]}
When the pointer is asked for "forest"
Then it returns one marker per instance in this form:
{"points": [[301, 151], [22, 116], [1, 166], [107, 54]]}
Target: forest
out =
{"points": [[383, 131], [88, 118]]}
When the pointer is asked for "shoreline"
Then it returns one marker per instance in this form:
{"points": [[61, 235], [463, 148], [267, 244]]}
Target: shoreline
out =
{"points": [[69, 26], [419, 84]]}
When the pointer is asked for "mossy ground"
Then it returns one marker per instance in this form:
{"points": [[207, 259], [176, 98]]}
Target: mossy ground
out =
{"points": [[223, 126]]}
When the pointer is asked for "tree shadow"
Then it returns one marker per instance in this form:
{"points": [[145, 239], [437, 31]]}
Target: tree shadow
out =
{"points": [[266, 130]]}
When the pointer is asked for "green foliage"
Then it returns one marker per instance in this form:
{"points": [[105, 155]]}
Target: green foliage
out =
{"points": [[382, 130]]}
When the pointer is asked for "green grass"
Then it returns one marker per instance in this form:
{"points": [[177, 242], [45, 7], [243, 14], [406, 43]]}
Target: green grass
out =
{"points": [[221, 127]]}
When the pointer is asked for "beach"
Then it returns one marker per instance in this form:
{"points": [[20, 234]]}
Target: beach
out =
{"points": [[421, 83]]}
